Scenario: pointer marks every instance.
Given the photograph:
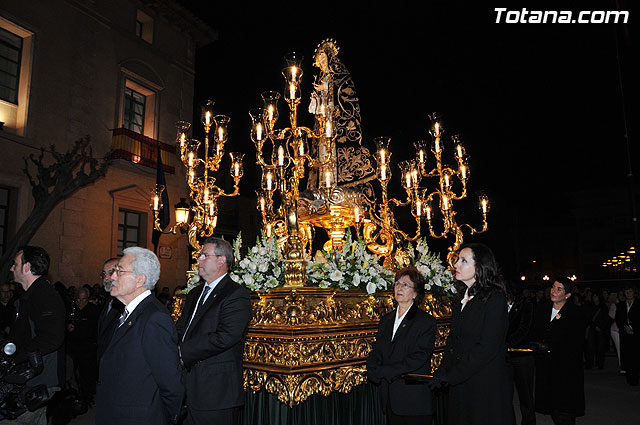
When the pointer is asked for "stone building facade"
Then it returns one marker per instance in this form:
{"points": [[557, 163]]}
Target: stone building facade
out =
{"points": [[122, 72]]}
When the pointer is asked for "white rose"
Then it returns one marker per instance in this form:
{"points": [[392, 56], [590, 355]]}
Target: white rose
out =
{"points": [[263, 267], [248, 279], [252, 267]]}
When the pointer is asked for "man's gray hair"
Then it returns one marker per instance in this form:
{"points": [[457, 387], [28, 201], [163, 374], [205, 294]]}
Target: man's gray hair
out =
{"points": [[145, 263]]}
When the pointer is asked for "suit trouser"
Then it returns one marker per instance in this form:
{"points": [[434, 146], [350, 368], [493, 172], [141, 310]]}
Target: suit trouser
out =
{"points": [[562, 418], [523, 369], [232, 416]]}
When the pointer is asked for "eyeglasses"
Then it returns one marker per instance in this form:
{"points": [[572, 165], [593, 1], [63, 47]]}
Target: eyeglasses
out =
{"points": [[403, 285], [107, 273], [120, 272], [205, 255]]}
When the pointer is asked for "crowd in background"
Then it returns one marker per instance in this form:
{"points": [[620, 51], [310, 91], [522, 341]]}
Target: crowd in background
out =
{"points": [[83, 305], [598, 305]]}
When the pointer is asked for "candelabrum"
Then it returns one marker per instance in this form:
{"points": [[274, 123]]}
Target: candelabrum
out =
{"points": [[288, 164], [379, 228], [201, 161]]}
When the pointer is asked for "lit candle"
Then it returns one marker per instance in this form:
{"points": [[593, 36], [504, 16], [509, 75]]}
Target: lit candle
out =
{"points": [[262, 203], [280, 156], [446, 179], [414, 176], [445, 202], [436, 128], [259, 131], [205, 196], [301, 148], [268, 230], [236, 169], [383, 172], [292, 91], [421, 155], [463, 172], [484, 205], [459, 149], [437, 143], [270, 113], [419, 208], [408, 179], [183, 138], [190, 159], [192, 175], [327, 178], [207, 118], [356, 214], [269, 181], [294, 72], [214, 221], [383, 155], [220, 133], [156, 203], [428, 210]]}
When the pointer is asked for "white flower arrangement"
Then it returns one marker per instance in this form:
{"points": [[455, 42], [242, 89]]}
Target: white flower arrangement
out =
{"points": [[261, 268], [354, 267], [193, 282], [439, 279]]}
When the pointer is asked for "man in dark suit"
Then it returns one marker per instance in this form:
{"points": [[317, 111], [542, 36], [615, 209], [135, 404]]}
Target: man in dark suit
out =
{"points": [[108, 319], [628, 321], [212, 331], [140, 373]]}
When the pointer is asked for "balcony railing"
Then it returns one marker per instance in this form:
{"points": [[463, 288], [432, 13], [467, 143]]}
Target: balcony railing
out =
{"points": [[134, 147]]}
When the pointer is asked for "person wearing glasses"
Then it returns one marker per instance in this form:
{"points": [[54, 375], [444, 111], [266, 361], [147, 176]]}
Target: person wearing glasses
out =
{"points": [[404, 344], [111, 311], [140, 374], [474, 364], [212, 330], [558, 336]]}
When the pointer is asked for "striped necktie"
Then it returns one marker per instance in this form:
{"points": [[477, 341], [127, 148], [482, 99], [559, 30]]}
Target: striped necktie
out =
{"points": [[123, 317]]}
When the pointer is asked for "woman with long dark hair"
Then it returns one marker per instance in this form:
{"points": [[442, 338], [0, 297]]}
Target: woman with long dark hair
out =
{"points": [[474, 364]]}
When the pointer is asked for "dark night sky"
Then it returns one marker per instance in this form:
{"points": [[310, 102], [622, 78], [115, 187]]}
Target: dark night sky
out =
{"points": [[538, 106]]}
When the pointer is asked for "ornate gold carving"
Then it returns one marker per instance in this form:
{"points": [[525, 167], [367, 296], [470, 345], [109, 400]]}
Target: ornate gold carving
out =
{"points": [[295, 388], [309, 340]]}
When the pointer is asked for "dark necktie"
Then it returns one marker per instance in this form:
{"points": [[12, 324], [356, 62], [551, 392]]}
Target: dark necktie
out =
{"points": [[123, 317], [203, 296], [205, 290]]}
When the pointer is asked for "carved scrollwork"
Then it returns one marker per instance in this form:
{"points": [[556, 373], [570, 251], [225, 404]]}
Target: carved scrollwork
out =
{"points": [[296, 388]]}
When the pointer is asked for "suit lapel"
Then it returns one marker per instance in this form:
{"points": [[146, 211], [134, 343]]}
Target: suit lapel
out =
{"points": [[405, 324], [131, 320], [216, 296]]}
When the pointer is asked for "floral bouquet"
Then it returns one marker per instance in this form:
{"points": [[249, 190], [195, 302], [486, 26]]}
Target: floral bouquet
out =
{"points": [[262, 267], [354, 267], [438, 278]]}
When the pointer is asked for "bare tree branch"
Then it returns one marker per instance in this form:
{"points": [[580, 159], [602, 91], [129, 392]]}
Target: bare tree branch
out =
{"points": [[51, 184]]}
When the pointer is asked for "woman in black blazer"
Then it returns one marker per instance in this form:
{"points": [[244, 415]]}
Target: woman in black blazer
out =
{"points": [[404, 344], [558, 337], [474, 364]]}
